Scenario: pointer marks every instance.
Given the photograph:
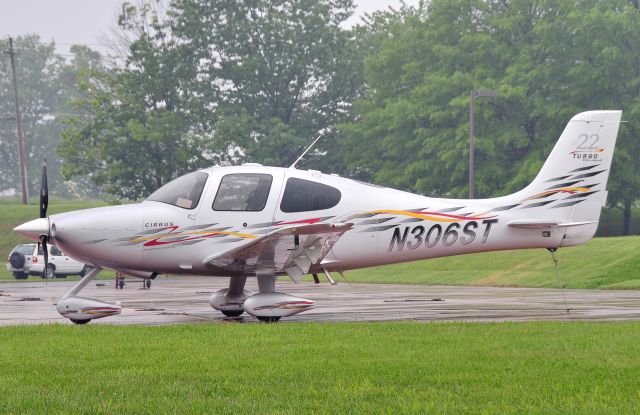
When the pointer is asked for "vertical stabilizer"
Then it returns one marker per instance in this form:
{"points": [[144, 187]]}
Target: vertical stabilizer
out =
{"points": [[571, 186]]}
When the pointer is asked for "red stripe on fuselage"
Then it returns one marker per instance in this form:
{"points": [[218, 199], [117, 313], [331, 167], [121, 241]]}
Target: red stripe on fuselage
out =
{"points": [[156, 242]]}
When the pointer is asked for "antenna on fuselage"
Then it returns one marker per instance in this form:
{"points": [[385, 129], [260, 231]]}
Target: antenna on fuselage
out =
{"points": [[293, 166]]}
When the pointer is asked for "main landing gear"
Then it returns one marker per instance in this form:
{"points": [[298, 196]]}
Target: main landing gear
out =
{"points": [[267, 305], [230, 300]]}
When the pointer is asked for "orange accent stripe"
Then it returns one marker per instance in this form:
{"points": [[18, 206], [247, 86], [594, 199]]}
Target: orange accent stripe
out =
{"points": [[563, 189], [422, 215]]}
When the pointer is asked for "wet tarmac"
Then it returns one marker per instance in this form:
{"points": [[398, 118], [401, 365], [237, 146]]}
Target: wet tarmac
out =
{"points": [[184, 300]]}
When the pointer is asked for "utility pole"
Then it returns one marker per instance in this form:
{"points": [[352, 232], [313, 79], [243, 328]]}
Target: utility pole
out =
{"points": [[21, 148], [472, 144], [472, 148]]}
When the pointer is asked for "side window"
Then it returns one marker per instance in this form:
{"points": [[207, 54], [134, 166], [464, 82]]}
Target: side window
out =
{"points": [[55, 251], [304, 195], [246, 192]]}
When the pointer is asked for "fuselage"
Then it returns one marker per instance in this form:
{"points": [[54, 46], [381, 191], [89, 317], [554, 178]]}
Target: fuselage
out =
{"points": [[215, 209]]}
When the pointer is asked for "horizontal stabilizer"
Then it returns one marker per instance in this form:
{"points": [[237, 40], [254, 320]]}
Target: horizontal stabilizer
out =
{"points": [[543, 224]]}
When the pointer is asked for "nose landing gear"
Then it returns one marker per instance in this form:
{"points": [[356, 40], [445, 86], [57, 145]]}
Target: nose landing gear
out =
{"points": [[81, 310]]}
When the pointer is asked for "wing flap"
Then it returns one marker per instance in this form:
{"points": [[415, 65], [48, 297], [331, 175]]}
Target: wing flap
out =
{"points": [[293, 250]]}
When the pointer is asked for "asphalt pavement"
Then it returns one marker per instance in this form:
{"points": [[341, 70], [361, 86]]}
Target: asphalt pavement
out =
{"points": [[184, 300]]}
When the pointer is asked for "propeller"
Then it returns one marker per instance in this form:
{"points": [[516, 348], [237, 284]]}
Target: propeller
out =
{"points": [[44, 191], [45, 251], [44, 204]]}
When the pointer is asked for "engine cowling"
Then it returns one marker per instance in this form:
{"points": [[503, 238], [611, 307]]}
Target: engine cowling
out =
{"points": [[80, 308], [222, 301], [275, 304]]}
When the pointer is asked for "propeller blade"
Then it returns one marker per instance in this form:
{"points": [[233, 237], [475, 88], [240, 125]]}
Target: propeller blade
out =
{"points": [[44, 191], [45, 251]]}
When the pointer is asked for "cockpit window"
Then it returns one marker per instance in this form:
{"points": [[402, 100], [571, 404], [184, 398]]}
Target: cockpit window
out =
{"points": [[183, 192], [243, 192], [304, 195]]}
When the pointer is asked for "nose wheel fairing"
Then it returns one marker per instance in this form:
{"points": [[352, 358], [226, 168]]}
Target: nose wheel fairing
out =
{"points": [[81, 310]]}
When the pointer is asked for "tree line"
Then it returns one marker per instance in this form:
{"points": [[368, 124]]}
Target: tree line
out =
{"points": [[205, 82]]}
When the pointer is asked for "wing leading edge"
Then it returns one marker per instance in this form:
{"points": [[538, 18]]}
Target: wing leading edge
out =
{"points": [[292, 250]]}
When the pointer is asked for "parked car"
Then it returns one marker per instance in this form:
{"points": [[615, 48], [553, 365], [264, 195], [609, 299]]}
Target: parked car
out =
{"points": [[27, 259], [19, 262]]}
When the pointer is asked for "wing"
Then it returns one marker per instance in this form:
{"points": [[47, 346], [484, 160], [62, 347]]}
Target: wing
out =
{"points": [[292, 250]]}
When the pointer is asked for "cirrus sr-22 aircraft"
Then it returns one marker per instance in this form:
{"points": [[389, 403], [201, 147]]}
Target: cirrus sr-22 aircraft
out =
{"points": [[265, 222]]}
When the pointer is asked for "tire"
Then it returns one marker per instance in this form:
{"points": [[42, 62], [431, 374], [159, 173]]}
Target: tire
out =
{"points": [[232, 313], [50, 272], [147, 283], [20, 275], [268, 319], [85, 270], [75, 321], [16, 259]]}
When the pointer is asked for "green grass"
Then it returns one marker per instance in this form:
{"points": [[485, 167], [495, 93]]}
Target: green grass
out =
{"points": [[602, 263], [297, 368]]}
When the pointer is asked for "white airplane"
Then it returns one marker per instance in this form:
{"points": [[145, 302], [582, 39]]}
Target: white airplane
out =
{"points": [[265, 222]]}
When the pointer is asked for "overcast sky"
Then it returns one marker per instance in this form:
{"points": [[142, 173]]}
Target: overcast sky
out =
{"points": [[70, 22]]}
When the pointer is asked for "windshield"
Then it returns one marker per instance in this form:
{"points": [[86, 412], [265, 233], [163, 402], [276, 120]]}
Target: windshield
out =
{"points": [[183, 192]]}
